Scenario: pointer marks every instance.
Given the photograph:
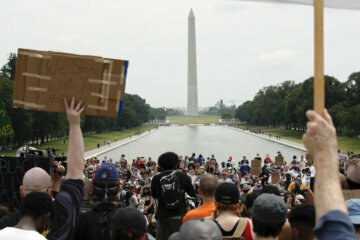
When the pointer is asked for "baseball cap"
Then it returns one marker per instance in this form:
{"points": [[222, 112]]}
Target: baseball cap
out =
{"points": [[227, 193], [107, 171], [198, 229], [353, 205], [128, 223], [224, 172], [269, 209]]}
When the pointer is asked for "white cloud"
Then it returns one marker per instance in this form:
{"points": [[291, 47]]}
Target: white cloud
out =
{"points": [[277, 55]]}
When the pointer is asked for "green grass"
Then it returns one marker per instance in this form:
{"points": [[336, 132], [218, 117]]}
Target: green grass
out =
{"points": [[90, 141], [193, 119], [344, 143]]}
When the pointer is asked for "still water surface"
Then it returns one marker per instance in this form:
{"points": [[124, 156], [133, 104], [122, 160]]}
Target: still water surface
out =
{"points": [[207, 140]]}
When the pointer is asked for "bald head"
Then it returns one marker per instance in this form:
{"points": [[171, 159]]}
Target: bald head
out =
{"points": [[353, 170], [36, 179], [208, 185]]}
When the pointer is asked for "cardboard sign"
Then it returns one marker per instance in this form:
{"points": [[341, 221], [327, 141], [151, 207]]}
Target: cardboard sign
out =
{"points": [[279, 161], [255, 167], [308, 157], [12, 171], [350, 194], [275, 177], [43, 79]]}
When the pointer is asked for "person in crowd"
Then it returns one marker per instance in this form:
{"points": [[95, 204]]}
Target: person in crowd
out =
{"points": [[297, 186], [151, 231], [269, 215], [94, 224], [302, 221], [35, 211], [149, 203], [352, 180], [267, 159], [208, 185], [331, 212], [127, 224], [68, 196], [353, 206], [225, 178], [198, 229], [169, 188], [257, 157], [227, 213]]}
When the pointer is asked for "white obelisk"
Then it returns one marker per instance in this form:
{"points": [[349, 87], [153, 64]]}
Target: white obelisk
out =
{"points": [[192, 103]]}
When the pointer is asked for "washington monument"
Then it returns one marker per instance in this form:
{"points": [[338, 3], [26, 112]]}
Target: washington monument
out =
{"points": [[192, 101]]}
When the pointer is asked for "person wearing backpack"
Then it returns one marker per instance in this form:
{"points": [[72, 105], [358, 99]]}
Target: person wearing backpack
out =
{"points": [[169, 188], [94, 223]]}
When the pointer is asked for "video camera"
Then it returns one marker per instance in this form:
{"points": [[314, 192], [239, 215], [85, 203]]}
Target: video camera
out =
{"points": [[49, 153]]}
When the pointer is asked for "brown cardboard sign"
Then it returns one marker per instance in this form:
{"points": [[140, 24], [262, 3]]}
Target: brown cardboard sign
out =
{"points": [[275, 177], [308, 157], [44, 78], [255, 167], [350, 194], [279, 160]]}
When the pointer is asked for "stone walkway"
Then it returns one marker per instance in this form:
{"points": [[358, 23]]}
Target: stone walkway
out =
{"points": [[103, 149], [273, 139]]}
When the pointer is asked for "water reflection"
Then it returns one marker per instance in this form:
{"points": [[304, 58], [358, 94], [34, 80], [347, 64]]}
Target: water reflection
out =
{"points": [[207, 140]]}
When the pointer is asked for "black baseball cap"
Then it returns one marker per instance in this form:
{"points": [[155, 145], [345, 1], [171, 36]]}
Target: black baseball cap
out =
{"points": [[128, 223], [227, 193]]}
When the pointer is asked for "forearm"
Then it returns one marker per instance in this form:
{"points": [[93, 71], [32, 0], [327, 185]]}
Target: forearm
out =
{"points": [[328, 192], [75, 153]]}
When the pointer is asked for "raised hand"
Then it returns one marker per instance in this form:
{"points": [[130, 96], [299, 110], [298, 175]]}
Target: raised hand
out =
{"points": [[73, 112]]}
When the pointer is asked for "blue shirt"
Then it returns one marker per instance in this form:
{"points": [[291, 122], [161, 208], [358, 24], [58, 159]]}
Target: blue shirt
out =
{"points": [[335, 225]]}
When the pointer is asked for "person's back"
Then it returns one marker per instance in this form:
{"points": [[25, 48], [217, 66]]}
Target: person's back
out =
{"points": [[169, 188], [208, 185], [227, 213], [35, 213], [95, 222]]}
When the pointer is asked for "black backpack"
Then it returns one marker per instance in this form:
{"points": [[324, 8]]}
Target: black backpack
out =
{"points": [[171, 193]]}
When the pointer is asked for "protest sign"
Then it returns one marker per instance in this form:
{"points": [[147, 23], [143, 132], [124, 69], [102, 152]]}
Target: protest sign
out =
{"points": [[6, 129], [275, 178], [255, 167], [350, 194], [308, 157], [279, 160], [43, 79], [12, 171]]}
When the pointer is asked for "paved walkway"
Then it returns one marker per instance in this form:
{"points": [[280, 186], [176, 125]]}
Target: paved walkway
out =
{"points": [[103, 149], [273, 139]]}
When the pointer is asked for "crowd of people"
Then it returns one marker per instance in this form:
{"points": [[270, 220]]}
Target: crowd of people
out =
{"points": [[191, 197]]}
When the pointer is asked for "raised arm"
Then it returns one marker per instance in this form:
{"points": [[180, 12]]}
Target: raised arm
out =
{"points": [[75, 157], [320, 141]]}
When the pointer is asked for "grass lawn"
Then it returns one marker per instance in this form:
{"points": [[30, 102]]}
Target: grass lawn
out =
{"points": [[345, 144], [90, 141], [205, 119]]}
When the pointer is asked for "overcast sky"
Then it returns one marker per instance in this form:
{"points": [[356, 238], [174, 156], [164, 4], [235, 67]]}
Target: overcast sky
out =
{"points": [[241, 46]]}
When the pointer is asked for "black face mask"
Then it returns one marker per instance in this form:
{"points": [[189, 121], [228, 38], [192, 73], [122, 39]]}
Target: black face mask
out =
{"points": [[352, 185]]}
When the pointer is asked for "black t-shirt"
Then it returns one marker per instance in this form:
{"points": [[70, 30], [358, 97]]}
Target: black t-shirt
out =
{"points": [[185, 184]]}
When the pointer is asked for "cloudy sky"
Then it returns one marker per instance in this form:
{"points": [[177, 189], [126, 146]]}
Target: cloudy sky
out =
{"points": [[241, 46]]}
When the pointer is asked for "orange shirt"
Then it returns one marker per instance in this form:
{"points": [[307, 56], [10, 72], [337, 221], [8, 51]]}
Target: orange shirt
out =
{"points": [[200, 212]]}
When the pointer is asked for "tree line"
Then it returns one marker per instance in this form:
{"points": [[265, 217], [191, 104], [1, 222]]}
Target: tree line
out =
{"points": [[285, 104], [33, 126]]}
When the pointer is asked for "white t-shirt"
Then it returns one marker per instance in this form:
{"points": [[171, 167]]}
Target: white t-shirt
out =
{"points": [[313, 171], [11, 233]]}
